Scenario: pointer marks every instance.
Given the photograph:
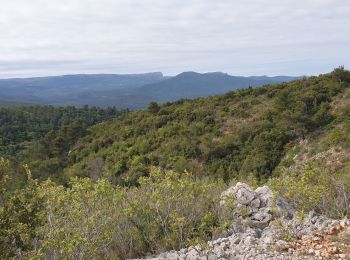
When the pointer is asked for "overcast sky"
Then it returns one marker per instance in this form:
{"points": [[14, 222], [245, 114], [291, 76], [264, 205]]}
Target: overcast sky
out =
{"points": [[240, 37]]}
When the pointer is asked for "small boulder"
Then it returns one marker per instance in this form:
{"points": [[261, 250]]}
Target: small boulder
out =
{"points": [[244, 194], [255, 203], [265, 195], [241, 192], [262, 216]]}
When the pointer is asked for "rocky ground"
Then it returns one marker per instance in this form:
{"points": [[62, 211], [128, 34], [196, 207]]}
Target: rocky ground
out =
{"points": [[268, 228]]}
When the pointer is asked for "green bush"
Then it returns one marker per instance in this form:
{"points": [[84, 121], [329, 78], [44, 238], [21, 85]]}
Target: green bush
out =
{"points": [[20, 217], [89, 219], [315, 188], [173, 209]]}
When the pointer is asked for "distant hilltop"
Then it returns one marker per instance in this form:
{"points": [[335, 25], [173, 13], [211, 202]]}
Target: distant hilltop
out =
{"points": [[132, 91]]}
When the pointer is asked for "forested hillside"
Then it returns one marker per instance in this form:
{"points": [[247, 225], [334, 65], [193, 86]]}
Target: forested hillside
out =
{"points": [[150, 180], [26, 131], [240, 134], [19, 124]]}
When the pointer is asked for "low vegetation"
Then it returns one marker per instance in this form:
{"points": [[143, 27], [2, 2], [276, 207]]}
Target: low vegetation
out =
{"points": [[315, 187], [97, 219]]}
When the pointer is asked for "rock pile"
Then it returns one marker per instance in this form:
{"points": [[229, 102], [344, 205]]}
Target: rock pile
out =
{"points": [[259, 207], [266, 227]]}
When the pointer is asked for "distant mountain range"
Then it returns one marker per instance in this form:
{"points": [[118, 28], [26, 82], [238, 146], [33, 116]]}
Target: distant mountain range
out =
{"points": [[123, 91], [193, 85]]}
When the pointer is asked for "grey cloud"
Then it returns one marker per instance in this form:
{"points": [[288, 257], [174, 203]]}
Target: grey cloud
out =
{"points": [[246, 37]]}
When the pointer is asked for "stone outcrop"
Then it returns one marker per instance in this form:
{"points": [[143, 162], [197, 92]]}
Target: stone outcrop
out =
{"points": [[266, 227], [259, 207]]}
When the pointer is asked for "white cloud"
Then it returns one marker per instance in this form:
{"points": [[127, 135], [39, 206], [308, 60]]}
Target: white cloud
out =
{"points": [[48, 37]]}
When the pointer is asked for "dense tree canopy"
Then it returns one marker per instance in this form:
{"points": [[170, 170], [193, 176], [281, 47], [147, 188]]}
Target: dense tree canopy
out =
{"points": [[19, 124]]}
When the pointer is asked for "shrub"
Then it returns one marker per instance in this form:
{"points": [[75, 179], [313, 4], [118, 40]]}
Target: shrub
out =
{"points": [[167, 210], [316, 188], [20, 217], [171, 209]]}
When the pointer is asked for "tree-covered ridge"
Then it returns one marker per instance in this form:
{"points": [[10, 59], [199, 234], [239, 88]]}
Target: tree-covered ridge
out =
{"points": [[240, 134], [19, 124]]}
